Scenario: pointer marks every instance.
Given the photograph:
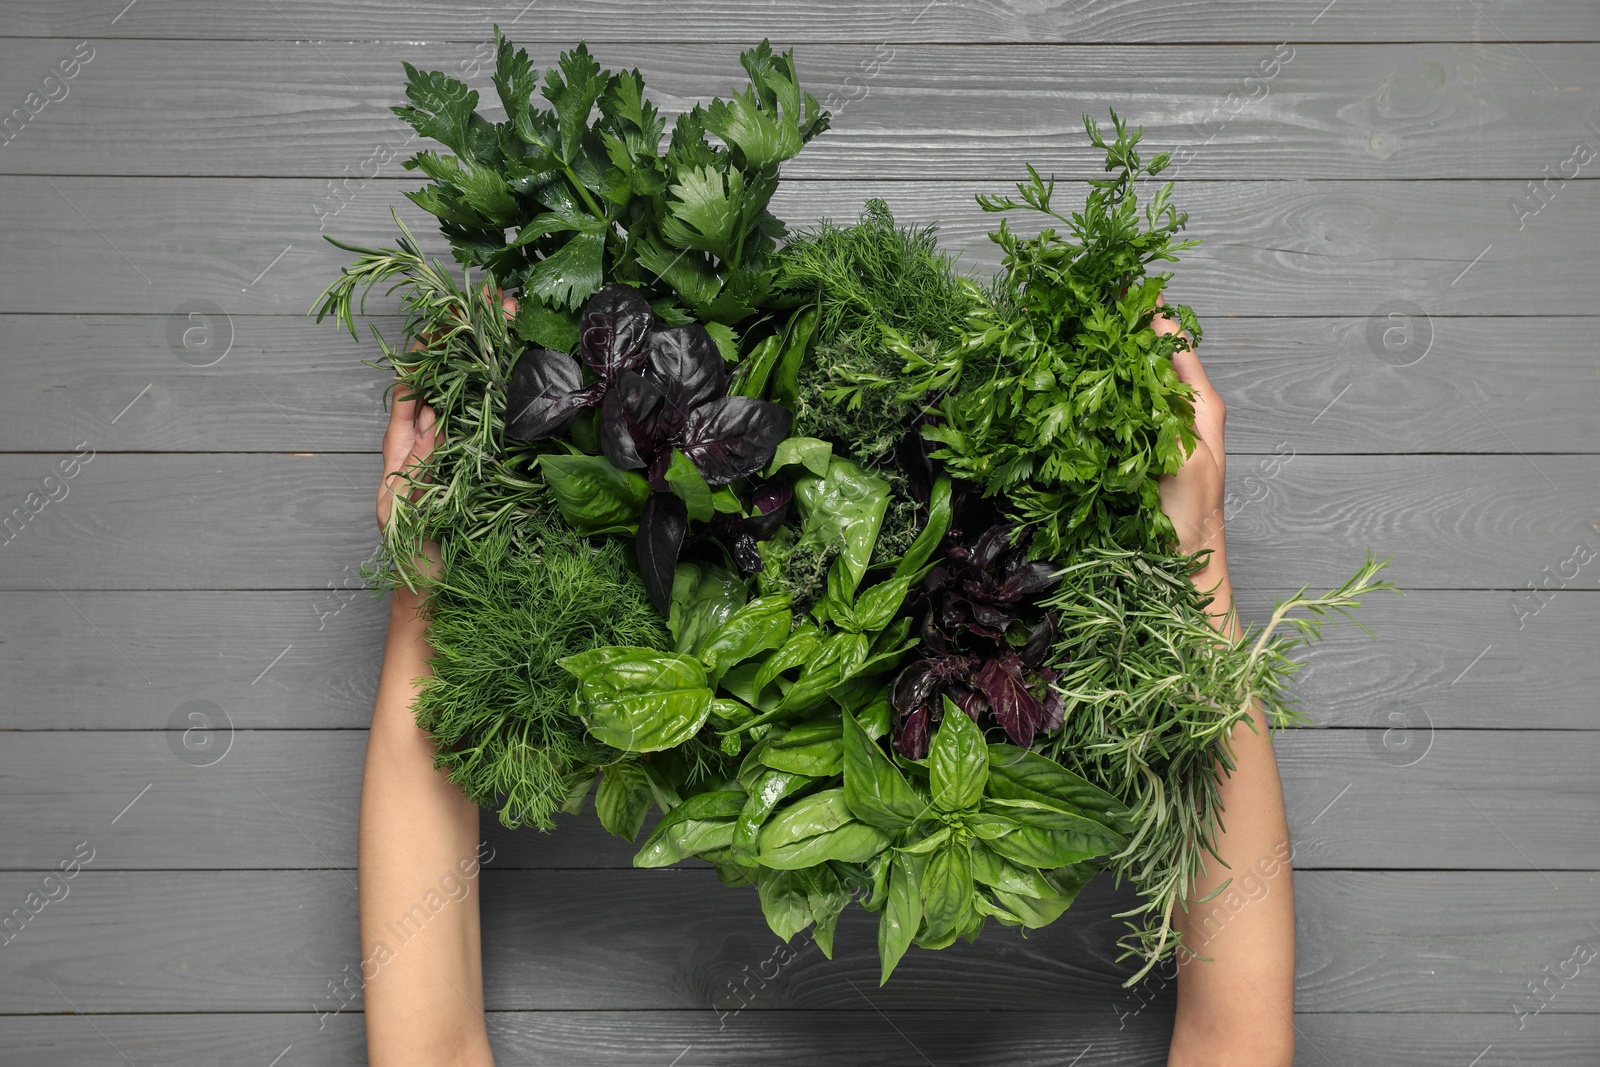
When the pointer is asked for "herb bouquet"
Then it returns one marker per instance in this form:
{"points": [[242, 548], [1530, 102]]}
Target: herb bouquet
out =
{"points": [[852, 566]]}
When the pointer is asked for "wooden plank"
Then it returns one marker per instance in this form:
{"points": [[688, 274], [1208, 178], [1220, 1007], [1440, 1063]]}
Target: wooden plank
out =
{"points": [[1275, 248], [1424, 664], [695, 21], [298, 521], [912, 111], [640, 941], [271, 660], [800, 1038], [1357, 798], [1309, 385]]}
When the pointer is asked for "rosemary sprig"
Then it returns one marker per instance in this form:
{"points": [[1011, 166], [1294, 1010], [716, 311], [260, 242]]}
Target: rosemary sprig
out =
{"points": [[1152, 696], [457, 352]]}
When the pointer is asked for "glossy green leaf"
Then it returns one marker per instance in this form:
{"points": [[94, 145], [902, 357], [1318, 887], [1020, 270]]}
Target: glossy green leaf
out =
{"points": [[767, 791], [815, 748], [784, 901], [704, 596], [958, 761], [1033, 846], [946, 894], [874, 788], [838, 658], [1019, 774], [622, 799], [700, 824], [992, 869], [929, 538], [811, 453], [1042, 911], [843, 509], [638, 699], [685, 480], [817, 828], [794, 652], [595, 497], [759, 625], [902, 913]]}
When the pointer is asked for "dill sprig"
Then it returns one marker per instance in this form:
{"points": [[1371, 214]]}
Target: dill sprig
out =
{"points": [[505, 610], [1152, 696]]}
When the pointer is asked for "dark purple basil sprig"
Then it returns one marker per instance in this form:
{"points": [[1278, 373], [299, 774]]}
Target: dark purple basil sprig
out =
{"points": [[984, 642], [659, 391]]}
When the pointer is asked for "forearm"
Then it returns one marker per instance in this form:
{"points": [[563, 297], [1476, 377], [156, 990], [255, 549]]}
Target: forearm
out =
{"points": [[418, 872], [1236, 1006]]}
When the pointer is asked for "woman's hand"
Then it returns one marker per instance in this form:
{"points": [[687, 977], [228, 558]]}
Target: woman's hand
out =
{"points": [[1192, 498], [407, 442]]}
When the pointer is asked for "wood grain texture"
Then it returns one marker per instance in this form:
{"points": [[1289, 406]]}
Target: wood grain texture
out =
{"points": [[1303, 248], [1307, 385], [1402, 797], [696, 21], [908, 111], [662, 940], [298, 521], [803, 1038]]}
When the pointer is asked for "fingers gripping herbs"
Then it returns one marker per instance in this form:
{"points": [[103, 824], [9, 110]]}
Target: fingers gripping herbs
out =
{"points": [[851, 567]]}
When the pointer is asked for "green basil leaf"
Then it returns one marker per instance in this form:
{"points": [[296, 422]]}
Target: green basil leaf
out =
{"points": [[902, 913], [1032, 813], [877, 606], [750, 379], [767, 791], [1019, 774], [726, 500], [929, 843], [740, 681], [704, 596], [843, 509], [958, 761], [699, 824], [1036, 912], [839, 657], [922, 549], [874, 788], [875, 717], [815, 748], [785, 383], [784, 901], [817, 828], [638, 699], [760, 625], [992, 869], [827, 898], [729, 870], [946, 894], [595, 497], [685, 479], [1034, 846], [622, 799], [811, 453], [794, 652]]}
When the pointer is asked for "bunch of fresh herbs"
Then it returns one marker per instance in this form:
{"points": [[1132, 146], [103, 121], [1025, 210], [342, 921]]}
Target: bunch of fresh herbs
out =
{"points": [[901, 619]]}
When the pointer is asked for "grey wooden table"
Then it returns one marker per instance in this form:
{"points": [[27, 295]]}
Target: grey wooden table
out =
{"points": [[1398, 283]]}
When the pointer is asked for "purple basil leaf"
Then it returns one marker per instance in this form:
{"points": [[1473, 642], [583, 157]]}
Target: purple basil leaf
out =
{"points": [[1055, 705], [1040, 638], [545, 392], [1014, 707], [911, 733], [630, 422], [685, 364], [772, 504], [1028, 581], [661, 530], [734, 437], [614, 329], [746, 554], [991, 546]]}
